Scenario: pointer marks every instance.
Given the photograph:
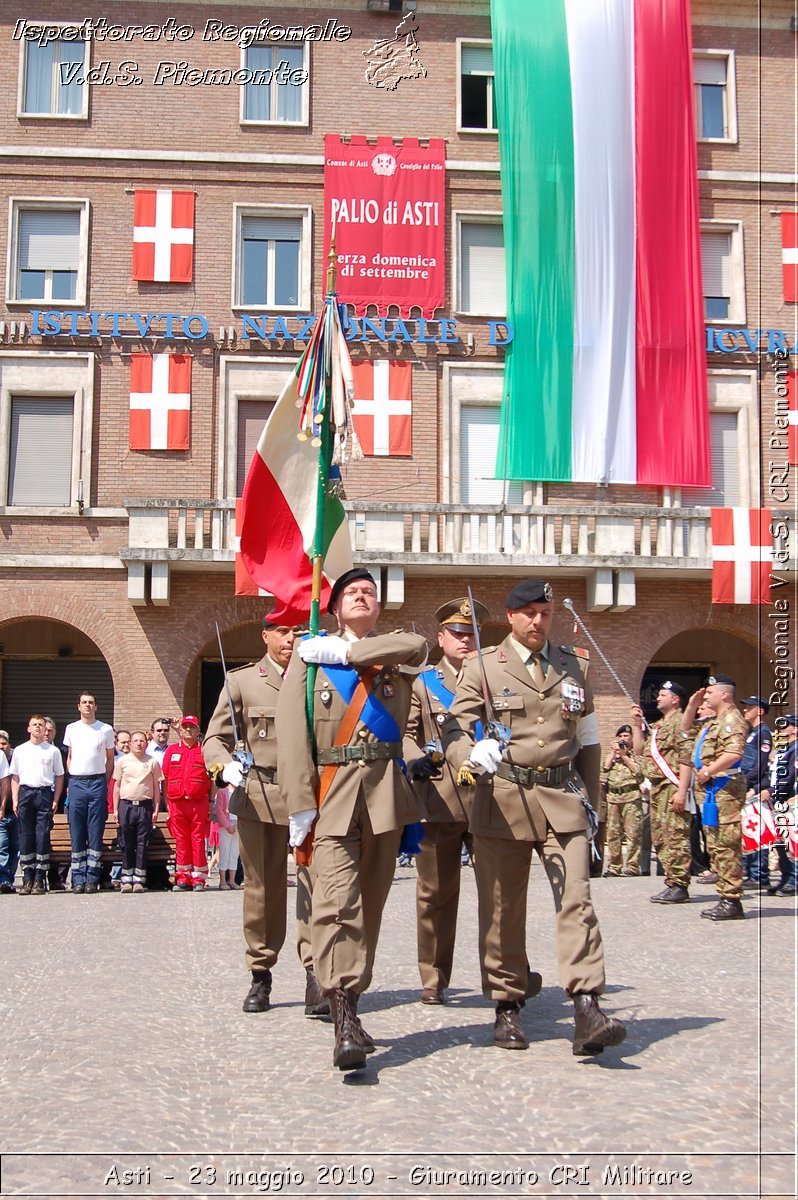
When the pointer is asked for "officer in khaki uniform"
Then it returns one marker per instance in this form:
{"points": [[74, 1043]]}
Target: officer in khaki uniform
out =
{"points": [[446, 806], [621, 776], [530, 794], [712, 758], [361, 703], [262, 817], [670, 821]]}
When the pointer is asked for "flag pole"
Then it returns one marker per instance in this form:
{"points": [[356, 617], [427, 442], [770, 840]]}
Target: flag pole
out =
{"points": [[323, 480]]}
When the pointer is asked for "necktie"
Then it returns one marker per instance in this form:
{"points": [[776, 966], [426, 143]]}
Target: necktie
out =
{"points": [[538, 674]]}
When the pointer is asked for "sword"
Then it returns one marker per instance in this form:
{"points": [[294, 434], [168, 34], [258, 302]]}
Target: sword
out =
{"points": [[240, 754], [569, 604], [434, 746], [493, 728]]}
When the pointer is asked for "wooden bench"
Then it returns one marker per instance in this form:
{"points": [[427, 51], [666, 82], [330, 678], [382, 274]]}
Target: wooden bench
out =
{"points": [[160, 848]]}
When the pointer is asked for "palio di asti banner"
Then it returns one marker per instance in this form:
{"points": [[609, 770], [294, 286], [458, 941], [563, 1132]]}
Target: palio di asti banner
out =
{"points": [[387, 201]]}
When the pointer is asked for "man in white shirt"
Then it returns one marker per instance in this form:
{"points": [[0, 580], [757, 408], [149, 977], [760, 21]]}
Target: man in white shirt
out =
{"points": [[37, 777], [90, 761], [9, 830]]}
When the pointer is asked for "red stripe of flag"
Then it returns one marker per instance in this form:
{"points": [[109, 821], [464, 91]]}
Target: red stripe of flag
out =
{"points": [[792, 417], [789, 255], [670, 309]]}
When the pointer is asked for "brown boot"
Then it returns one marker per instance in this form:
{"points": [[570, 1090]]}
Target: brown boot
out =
{"points": [[349, 1053], [316, 1003], [257, 998], [594, 1030], [725, 910], [507, 1030]]}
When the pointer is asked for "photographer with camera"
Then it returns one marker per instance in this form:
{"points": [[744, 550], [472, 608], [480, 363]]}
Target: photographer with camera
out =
{"points": [[621, 776]]}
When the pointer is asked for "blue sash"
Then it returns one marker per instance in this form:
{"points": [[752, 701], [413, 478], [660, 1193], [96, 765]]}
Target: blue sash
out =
{"points": [[698, 744], [375, 717], [437, 687]]}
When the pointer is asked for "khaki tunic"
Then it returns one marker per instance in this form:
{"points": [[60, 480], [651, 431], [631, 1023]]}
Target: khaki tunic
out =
{"points": [[438, 866], [358, 830], [262, 813], [509, 819], [670, 830]]}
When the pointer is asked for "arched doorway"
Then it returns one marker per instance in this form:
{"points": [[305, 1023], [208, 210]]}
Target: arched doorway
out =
{"points": [[690, 656], [44, 666], [205, 677]]}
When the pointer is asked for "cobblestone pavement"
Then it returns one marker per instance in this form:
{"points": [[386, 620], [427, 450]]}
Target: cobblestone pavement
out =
{"points": [[124, 1047]]}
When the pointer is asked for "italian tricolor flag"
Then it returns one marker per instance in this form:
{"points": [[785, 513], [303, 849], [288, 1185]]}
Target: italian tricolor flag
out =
{"points": [[278, 514], [605, 380]]}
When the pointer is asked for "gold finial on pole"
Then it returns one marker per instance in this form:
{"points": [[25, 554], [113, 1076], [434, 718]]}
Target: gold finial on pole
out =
{"points": [[332, 263]]}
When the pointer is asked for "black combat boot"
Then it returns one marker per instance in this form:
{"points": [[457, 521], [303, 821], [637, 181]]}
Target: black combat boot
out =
{"points": [[257, 998], [674, 894], [349, 1053], [593, 1029], [725, 910], [316, 1003], [507, 1029]]}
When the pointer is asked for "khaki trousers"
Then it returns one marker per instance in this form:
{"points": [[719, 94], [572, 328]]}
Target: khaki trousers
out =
{"points": [[502, 867], [305, 879], [264, 853], [437, 895], [353, 877]]}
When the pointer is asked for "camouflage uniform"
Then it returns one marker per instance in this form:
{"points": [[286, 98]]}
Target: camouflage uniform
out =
{"points": [[624, 815], [726, 733], [670, 831]]}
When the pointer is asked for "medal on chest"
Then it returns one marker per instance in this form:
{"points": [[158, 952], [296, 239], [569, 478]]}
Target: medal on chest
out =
{"points": [[573, 698]]}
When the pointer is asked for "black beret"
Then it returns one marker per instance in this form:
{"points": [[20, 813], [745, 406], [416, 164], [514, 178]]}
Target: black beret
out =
{"points": [[676, 688], [348, 577], [623, 729], [727, 679], [531, 591]]}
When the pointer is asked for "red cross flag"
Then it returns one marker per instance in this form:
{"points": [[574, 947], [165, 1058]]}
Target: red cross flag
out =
{"points": [[742, 554], [382, 408], [759, 826], [160, 401], [245, 584], [792, 417], [789, 254], [787, 824], [163, 236]]}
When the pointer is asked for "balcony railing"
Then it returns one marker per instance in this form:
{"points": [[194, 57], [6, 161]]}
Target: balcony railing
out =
{"points": [[203, 531]]}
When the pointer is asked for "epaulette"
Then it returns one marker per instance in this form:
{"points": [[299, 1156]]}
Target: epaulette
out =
{"points": [[245, 667], [485, 650], [577, 651]]}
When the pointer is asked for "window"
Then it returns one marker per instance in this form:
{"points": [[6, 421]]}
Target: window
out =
{"points": [[277, 86], [47, 251], [40, 452], [722, 271], [481, 287], [252, 416], [715, 103], [46, 409], [476, 99], [734, 442], [479, 443], [52, 79], [273, 259], [724, 444]]}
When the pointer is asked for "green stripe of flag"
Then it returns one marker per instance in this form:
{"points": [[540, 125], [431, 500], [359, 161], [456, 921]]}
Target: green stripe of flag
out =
{"points": [[533, 94]]}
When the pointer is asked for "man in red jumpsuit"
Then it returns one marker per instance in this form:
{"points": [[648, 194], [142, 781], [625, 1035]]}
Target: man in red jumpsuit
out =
{"points": [[188, 796]]}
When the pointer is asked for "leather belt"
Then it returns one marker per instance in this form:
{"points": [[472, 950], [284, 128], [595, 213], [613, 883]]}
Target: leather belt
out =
{"points": [[362, 753], [267, 773], [529, 776]]}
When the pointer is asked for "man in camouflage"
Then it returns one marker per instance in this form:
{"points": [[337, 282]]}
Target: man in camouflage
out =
{"points": [[621, 776], [670, 822], [713, 761]]}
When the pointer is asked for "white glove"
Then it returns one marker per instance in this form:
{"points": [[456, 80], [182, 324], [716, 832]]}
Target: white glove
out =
{"points": [[331, 650], [233, 774], [299, 825], [486, 756]]}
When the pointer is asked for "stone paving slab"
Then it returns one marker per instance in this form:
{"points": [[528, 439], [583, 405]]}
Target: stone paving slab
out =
{"points": [[124, 1046]]}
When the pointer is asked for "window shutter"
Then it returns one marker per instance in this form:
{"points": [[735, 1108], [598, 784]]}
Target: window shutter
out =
{"points": [[716, 262], [479, 441], [483, 284], [725, 490], [40, 461], [272, 229], [252, 416], [49, 240], [52, 687], [476, 60], [710, 70]]}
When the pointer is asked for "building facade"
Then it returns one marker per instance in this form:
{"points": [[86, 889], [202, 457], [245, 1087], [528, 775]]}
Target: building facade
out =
{"points": [[116, 563]]}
